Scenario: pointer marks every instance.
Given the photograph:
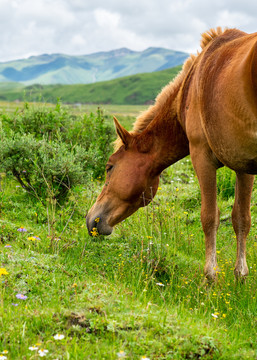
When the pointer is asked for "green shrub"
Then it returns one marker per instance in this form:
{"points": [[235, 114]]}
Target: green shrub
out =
{"points": [[95, 135], [27, 133], [40, 121], [43, 168]]}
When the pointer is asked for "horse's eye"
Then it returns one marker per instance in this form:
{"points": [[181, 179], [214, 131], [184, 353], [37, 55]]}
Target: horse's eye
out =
{"points": [[108, 167]]}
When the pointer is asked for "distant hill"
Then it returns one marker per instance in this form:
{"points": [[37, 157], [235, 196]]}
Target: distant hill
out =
{"points": [[102, 66], [134, 90]]}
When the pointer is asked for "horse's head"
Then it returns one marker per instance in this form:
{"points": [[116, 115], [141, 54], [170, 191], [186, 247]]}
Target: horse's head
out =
{"points": [[131, 182]]}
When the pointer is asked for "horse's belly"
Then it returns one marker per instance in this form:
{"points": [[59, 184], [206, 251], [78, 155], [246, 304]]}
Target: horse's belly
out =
{"points": [[251, 167], [248, 166], [238, 153]]}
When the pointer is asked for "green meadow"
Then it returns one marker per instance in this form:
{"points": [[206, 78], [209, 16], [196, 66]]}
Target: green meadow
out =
{"points": [[129, 90], [137, 294]]}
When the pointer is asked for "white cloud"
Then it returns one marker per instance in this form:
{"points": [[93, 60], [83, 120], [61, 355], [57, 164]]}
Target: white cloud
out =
{"points": [[232, 19], [106, 19], [78, 40], [83, 27]]}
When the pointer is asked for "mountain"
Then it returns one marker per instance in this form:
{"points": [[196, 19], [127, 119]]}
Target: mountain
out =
{"points": [[101, 66]]}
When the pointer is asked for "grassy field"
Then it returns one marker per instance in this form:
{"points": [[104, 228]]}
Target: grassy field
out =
{"points": [[122, 110], [125, 113], [138, 294]]}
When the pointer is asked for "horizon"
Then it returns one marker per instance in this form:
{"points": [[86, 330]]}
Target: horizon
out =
{"points": [[101, 66], [89, 54]]}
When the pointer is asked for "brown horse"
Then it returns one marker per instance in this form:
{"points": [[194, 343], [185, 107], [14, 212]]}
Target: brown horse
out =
{"points": [[209, 111]]}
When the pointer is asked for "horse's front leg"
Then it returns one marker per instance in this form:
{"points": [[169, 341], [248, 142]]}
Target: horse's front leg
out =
{"points": [[241, 219], [206, 172]]}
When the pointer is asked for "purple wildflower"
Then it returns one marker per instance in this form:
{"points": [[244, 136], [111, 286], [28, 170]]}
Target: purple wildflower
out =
{"points": [[21, 297], [22, 229], [8, 246]]}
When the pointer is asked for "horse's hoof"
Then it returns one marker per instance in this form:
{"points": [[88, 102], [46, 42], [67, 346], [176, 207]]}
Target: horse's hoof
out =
{"points": [[241, 275], [211, 274], [210, 279]]}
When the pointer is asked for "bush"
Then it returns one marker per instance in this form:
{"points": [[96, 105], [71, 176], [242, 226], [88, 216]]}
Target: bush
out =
{"points": [[40, 121], [95, 135], [43, 168], [49, 150]]}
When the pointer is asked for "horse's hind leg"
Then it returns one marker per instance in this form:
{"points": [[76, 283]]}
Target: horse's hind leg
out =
{"points": [[206, 173], [241, 219]]}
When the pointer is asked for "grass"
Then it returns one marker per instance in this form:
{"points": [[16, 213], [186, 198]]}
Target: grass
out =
{"points": [[138, 293], [125, 113], [119, 110]]}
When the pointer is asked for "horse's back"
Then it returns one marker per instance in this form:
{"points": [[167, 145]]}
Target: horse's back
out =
{"points": [[222, 99]]}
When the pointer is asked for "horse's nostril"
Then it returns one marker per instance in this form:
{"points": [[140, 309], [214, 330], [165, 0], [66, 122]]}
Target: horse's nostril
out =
{"points": [[97, 223], [97, 220]]}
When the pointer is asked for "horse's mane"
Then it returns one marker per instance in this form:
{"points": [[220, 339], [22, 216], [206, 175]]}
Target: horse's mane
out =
{"points": [[170, 90], [209, 35]]}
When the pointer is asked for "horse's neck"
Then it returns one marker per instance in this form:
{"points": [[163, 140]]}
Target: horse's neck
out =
{"points": [[168, 139]]}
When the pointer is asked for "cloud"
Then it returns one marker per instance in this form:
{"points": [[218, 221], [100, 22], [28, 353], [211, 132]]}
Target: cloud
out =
{"points": [[106, 19], [29, 27]]}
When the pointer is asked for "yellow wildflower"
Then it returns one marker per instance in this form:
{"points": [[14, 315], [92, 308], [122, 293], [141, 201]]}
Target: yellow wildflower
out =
{"points": [[94, 232], [3, 271], [32, 238]]}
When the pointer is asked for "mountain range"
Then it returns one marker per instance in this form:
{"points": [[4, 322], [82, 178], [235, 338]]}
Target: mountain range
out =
{"points": [[85, 69]]}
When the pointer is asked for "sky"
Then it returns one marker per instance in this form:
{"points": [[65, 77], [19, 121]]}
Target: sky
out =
{"points": [[80, 27]]}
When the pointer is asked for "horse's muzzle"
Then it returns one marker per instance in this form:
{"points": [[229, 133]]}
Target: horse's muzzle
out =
{"points": [[96, 225]]}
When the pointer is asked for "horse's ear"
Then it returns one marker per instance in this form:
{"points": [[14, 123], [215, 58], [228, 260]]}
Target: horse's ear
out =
{"points": [[122, 133]]}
